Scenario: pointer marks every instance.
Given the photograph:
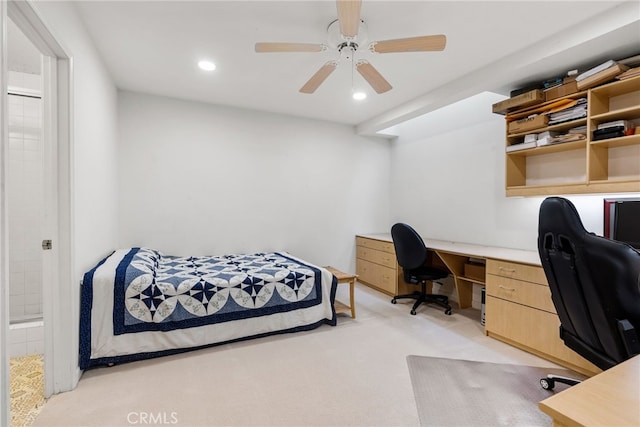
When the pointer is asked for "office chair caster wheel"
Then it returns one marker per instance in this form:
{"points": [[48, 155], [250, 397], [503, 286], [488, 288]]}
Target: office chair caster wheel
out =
{"points": [[448, 312], [547, 384], [413, 312], [393, 301]]}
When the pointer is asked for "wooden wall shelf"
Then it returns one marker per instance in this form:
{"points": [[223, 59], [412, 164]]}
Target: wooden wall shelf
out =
{"points": [[610, 165]]}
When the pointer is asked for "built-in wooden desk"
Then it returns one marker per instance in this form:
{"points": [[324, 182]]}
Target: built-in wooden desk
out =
{"points": [[611, 398], [518, 309], [378, 249]]}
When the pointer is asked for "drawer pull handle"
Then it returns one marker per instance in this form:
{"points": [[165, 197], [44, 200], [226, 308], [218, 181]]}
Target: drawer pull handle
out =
{"points": [[508, 270], [506, 289]]}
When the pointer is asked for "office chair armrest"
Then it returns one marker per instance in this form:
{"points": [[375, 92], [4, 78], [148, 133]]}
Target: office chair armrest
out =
{"points": [[629, 337]]}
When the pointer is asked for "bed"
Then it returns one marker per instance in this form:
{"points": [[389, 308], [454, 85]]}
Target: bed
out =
{"points": [[138, 303]]}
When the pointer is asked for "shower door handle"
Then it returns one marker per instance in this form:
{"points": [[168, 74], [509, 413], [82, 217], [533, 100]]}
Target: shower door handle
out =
{"points": [[47, 245]]}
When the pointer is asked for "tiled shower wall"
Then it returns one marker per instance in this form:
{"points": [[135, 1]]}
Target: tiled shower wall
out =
{"points": [[25, 197]]}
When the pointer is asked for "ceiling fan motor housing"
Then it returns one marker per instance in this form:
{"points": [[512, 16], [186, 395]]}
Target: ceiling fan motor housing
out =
{"points": [[347, 50]]}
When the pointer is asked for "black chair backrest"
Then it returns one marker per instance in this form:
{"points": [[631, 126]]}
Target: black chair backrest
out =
{"points": [[411, 251], [594, 281]]}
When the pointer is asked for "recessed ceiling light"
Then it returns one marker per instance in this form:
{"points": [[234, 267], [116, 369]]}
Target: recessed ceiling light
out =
{"points": [[359, 96], [207, 65]]}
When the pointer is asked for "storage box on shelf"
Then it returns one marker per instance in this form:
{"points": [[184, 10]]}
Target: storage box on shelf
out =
{"points": [[564, 89], [527, 124], [520, 312], [586, 166], [523, 100], [474, 271]]}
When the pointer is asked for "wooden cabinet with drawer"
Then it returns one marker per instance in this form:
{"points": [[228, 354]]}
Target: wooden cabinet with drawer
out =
{"points": [[376, 264], [520, 312]]}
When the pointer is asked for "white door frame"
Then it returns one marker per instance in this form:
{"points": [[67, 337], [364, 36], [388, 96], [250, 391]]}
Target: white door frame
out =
{"points": [[4, 259], [58, 313]]}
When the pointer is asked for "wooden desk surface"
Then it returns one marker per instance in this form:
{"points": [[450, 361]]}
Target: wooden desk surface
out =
{"points": [[472, 250], [611, 398]]}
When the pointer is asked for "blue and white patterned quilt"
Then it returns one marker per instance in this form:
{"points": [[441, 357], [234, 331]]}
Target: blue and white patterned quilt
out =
{"points": [[138, 303], [160, 293]]}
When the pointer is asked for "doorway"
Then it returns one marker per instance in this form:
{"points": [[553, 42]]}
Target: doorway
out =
{"points": [[24, 187], [56, 263], [25, 205]]}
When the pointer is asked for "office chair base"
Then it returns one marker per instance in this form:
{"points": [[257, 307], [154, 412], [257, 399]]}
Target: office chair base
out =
{"points": [[441, 300], [550, 381]]}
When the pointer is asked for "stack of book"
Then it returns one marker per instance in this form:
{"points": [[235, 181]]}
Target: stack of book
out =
{"points": [[614, 129], [572, 112], [602, 73]]}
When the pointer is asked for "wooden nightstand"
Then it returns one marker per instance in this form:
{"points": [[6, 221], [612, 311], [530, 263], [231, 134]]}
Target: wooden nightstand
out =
{"points": [[351, 280]]}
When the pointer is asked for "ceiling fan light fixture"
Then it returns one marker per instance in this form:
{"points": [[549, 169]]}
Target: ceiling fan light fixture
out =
{"points": [[206, 65], [359, 95]]}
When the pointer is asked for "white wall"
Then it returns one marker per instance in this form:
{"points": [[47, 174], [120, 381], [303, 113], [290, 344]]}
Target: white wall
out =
{"points": [[204, 179], [448, 173], [94, 137]]}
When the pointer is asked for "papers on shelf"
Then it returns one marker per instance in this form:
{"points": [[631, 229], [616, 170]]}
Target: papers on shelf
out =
{"points": [[574, 112], [521, 146], [549, 138], [578, 129]]}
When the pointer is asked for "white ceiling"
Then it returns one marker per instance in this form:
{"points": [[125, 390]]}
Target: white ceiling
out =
{"points": [[153, 47]]}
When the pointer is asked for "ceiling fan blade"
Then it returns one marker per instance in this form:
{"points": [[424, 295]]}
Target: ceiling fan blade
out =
{"points": [[349, 16], [411, 44], [371, 75], [289, 47], [320, 76]]}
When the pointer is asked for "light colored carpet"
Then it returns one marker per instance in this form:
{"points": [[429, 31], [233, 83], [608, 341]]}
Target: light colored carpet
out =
{"points": [[26, 393], [452, 392], [354, 374]]}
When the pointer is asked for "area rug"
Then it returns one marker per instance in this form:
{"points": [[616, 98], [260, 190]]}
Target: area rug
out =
{"points": [[26, 376], [452, 392]]}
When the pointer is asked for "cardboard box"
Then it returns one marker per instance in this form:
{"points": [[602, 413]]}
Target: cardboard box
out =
{"points": [[602, 77], [528, 123], [560, 91], [474, 272], [524, 100]]}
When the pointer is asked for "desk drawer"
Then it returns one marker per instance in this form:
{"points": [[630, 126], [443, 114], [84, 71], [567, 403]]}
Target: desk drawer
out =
{"points": [[513, 270], [378, 245], [526, 293], [535, 329], [383, 278], [376, 256]]}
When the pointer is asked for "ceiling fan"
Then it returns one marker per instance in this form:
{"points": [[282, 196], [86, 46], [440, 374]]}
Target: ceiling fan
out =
{"points": [[346, 35]]}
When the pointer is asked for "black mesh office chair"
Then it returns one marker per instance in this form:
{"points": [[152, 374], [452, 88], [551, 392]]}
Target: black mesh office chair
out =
{"points": [[595, 288], [411, 253]]}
